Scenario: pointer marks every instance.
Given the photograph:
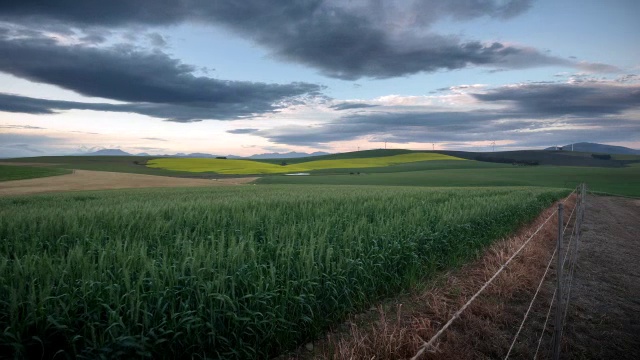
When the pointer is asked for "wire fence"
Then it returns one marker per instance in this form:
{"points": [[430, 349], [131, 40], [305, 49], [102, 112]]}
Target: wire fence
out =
{"points": [[566, 251]]}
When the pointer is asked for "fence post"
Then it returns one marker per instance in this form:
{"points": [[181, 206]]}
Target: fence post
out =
{"points": [[582, 195], [558, 326]]}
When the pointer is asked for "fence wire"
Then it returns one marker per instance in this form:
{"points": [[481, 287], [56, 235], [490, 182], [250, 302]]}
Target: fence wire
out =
{"points": [[515, 338], [544, 327]]}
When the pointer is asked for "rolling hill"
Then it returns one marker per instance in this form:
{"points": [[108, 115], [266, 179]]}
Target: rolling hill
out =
{"points": [[597, 148]]}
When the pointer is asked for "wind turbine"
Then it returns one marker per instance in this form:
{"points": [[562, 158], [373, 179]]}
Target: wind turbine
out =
{"points": [[493, 143]]}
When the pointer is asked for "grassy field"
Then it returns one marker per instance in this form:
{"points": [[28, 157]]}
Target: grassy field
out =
{"points": [[125, 164], [416, 166], [619, 181], [346, 155], [136, 164], [244, 272], [247, 167], [546, 157], [9, 172]]}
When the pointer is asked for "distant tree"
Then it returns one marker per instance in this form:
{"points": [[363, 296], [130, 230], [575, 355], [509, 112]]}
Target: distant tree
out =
{"points": [[502, 160], [284, 163], [601, 156], [221, 157]]}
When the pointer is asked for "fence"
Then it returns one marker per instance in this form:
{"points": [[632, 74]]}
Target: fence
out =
{"points": [[563, 282]]}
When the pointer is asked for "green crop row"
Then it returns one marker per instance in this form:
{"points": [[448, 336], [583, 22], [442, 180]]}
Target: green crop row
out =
{"points": [[245, 272]]}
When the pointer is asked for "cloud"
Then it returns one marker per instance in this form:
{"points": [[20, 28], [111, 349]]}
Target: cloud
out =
{"points": [[153, 81], [349, 106], [94, 36], [171, 12], [242, 131], [528, 114], [22, 127], [85, 132], [24, 147], [154, 139], [169, 112], [596, 67], [345, 40], [352, 48], [150, 148], [589, 99], [21, 145], [157, 40]]}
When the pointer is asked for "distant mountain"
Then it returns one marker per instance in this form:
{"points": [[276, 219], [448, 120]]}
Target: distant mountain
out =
{"points": [[118, 152], [191, 155], [598, 148], [201, 155], [288, 155], [107, 152]]}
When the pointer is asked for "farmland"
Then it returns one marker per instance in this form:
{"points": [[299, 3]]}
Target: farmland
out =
{"points": [[252, 271], [124, 164], [9, 172], [243, 272], [623, 181], [247, 167]]}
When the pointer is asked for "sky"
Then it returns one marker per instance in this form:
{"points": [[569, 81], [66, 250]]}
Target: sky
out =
{"points": [[248, 77]]}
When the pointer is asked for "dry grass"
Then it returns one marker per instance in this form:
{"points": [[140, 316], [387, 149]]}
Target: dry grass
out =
{"points": [[103, 180], [485, 330]]}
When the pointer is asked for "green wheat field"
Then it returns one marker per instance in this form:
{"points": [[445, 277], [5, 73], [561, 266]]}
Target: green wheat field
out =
{"points": [[244, 272]]}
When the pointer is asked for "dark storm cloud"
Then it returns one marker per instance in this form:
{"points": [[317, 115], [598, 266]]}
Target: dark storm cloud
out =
{"points": [[540, 111], [346, 40], [349, 106], [127, 74], [349, 47], [167, 12], [470, 9], [593, 99], [169, 112]]}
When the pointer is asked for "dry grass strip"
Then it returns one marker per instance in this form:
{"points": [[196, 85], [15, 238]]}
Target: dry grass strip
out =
{"points": [[103, 180]]}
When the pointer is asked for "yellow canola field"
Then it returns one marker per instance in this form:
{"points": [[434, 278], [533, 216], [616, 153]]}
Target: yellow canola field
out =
{"points": [[247, 167]]}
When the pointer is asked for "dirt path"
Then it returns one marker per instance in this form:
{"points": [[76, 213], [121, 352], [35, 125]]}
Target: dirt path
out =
{"points": [[102, 180], [604, 317]]}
